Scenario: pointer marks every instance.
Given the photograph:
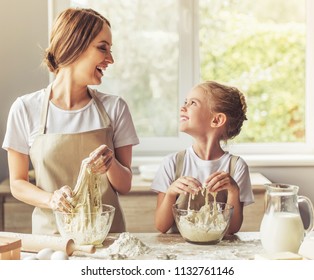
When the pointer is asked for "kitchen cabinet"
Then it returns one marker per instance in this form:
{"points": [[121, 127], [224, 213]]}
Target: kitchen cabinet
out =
{"points": [[14, 214], [138, 207]]}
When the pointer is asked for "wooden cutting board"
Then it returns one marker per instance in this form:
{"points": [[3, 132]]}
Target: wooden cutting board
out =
{"points": [[10, 248]]}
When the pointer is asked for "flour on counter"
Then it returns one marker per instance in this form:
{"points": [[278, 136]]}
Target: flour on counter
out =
{"points": [[128, 245]]}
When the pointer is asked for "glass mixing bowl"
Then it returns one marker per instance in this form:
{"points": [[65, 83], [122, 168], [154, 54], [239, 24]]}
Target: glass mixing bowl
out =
{"points": [[206, 225], [86, 228]]}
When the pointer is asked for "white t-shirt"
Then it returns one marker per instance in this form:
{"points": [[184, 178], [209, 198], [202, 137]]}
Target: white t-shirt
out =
{"points": [[24, 120], [200, 169]]}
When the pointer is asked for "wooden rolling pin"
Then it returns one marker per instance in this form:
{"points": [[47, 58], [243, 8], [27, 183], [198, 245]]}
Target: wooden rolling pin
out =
{"points": [[35, 242]]}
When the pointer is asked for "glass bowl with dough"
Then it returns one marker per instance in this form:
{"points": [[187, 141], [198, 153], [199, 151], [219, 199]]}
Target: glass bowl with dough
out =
{"points": [[86, 228], [206, 225]]}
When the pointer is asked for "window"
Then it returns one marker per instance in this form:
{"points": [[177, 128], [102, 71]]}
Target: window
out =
{"points": [[260, 47], [163, 48]]}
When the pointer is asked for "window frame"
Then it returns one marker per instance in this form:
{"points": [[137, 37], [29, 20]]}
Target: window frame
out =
{"points": [[189, 75]]}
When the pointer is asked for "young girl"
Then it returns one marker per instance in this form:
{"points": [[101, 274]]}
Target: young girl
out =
{"points": [[211, 113]]}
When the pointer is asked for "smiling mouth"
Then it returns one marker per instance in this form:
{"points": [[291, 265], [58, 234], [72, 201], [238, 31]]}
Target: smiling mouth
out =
{"points": [[100, 70], [183, 118]]}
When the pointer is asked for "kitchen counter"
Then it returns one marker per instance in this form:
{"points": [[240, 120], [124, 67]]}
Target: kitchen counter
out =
{"points": [[241, 246]]}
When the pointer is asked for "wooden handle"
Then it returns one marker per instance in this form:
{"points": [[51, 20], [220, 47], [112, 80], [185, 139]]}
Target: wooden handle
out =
{"points": [[72, 247]]}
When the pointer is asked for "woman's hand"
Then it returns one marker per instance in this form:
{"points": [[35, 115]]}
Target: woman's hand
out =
{"points": [[185, 185], [60, 200], [100, 159]]}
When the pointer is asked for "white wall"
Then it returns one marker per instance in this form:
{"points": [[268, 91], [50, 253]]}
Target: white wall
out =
{"points": [[302, 176], [24, 26], [23, 32]]}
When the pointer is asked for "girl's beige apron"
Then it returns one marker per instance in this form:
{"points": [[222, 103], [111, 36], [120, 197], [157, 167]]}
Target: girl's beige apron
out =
{"points": [[57, 158]]}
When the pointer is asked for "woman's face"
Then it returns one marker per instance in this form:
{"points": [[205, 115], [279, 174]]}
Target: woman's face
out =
{"points": [[88, 68]]}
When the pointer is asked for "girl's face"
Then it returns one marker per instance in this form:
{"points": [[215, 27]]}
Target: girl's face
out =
{"points": [[88, 68], [195, 115]]}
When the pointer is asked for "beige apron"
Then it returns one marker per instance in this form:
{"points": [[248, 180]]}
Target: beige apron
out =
{"points": [[57, 158]]}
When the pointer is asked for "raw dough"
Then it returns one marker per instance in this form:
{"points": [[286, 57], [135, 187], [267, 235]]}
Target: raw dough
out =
{"points": [[86, 222], [204, 225]]}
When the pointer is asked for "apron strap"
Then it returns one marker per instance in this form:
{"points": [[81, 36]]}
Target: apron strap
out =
{"points": [[233, 162], [179, 163], [44, 111], [100, 107]]}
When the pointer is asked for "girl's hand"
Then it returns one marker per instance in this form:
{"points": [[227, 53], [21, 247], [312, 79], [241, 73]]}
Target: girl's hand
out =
{"points": [[219, 181], [100, 159], [185, 185], [60, 200]]}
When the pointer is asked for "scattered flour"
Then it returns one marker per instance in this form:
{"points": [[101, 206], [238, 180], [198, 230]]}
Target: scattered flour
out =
{"points": [[128, 245]]}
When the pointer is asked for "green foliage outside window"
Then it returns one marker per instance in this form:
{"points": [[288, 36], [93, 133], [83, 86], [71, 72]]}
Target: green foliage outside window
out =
{"points": [[266, 60]]}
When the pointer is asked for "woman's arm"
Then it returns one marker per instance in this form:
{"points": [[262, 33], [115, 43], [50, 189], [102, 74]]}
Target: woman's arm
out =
{"points": [[117, 166], [20, 187], [119, 173]]}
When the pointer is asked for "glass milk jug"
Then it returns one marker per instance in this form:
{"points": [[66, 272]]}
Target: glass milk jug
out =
{"points": [[282, 228]]}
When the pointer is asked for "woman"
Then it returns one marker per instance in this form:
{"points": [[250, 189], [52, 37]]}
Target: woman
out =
{"points": [[212, 113], [74, 122]]}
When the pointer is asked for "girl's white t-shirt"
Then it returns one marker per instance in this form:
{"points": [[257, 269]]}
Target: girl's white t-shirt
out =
{"points": [[200, 169], [24, 120]]}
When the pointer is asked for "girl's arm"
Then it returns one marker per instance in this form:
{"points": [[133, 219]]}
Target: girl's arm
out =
{"points": [[163, 216], [237, 216]]}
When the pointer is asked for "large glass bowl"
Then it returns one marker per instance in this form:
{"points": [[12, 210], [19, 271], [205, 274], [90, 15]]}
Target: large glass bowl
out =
{"points": [[206, 225], [86, 228]]}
